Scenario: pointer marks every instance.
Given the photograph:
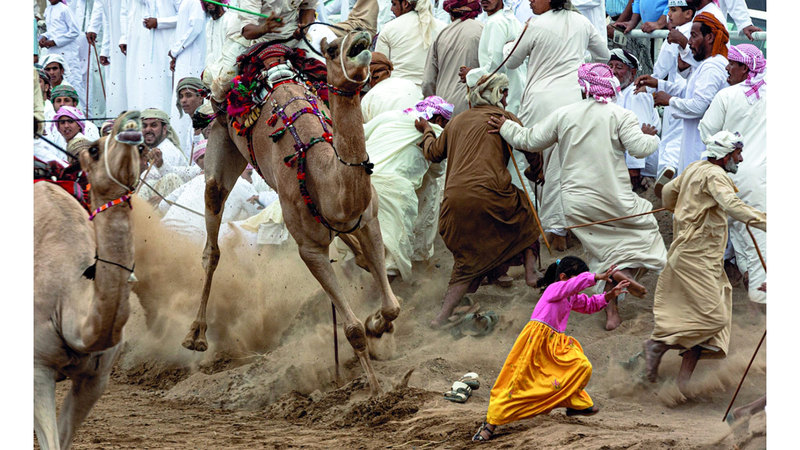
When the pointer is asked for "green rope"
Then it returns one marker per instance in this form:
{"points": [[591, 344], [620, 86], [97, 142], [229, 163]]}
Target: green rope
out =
{"points": [[266, 16]]}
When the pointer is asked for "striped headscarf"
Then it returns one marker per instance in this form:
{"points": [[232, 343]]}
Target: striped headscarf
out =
{"points": [[720, 33], [64, 90], [430, 106], [463, 9], [750, 56], [598, 81], [193, 83], [73, 113]]}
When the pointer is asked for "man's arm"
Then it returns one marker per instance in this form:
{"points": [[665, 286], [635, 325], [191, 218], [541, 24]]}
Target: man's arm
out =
{"points": [[71, 31], [431, 71], [737, 9], [531, 140], [724, 192], [636, 143], [707, 85], [95, 22], [598, 45], [714, 118], [196, 26]]}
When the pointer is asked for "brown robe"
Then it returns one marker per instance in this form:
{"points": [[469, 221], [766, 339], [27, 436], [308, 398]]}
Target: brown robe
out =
{"points": [[485, 220]]}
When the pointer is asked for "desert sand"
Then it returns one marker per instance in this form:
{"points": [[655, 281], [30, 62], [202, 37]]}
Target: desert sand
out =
{"points": [[268, 379]]}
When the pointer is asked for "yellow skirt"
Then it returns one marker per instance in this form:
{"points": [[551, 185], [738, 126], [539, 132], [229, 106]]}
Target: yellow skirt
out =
{"points": [[544, 370]]}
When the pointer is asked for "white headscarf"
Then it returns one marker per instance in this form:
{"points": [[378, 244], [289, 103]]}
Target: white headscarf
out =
{"points": [[487, 91], [427, 25], [722, 143]]}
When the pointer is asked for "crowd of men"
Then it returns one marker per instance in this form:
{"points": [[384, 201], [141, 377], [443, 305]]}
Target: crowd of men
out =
{"points": [[455, 86]]}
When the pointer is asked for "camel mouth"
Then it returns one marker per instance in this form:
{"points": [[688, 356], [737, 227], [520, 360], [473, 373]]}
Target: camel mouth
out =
{"points": [[131, 132], [360, 45]]}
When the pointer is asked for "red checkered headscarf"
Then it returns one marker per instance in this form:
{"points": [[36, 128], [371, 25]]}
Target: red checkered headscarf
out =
{"points": [[750, 56], [463, 9], [598, 81]]}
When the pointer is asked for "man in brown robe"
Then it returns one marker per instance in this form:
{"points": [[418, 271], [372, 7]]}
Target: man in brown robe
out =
{"points": [[485, 221], [693, 302]]}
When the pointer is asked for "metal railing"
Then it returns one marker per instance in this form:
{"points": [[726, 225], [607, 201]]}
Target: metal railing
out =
{"points": [[662, 34]]}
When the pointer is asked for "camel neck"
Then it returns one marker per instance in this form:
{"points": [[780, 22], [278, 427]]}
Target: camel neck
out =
{"points": [[348, 124], [109, 310]]}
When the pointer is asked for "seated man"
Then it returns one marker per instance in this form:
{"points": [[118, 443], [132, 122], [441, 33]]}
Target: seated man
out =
{"points": [[65, 95], [485, 221], [400, 175], [693, 302], [169, 167], [387, 93], [593, 136]]}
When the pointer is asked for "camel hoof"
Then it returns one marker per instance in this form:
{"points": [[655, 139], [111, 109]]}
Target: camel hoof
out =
{"points": [[377, 324], [196, 339]]}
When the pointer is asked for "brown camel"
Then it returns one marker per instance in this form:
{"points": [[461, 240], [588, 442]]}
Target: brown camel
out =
{"points": [[339, 187], [78, 321]]}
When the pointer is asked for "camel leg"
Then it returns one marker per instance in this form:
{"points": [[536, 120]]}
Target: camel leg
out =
{"points": [[316, 259], [44, 408], [83, 395], [369, 236], [223, 165]]}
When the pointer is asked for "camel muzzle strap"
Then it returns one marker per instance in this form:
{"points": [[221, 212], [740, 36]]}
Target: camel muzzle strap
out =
{"points": [[89, 273]]}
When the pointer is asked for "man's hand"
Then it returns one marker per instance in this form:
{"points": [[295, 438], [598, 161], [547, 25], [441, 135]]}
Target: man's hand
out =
{"points": [[649, 129], [676, 37], [104, 61], [254, 201], [421, 125], [124, 49], [46, 43], [661, 98], [171, 62], [156, 157], [643, 82], [749, 30], [763, 287], [622, 26], [91, 37], [307, 16], [649, 27], [610, 31], [496, 122], [150, 23], [462, 73]]}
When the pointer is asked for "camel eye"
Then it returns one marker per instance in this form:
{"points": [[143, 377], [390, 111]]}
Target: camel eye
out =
{"points": [[94, 152], [331, 51], [141, 149]]}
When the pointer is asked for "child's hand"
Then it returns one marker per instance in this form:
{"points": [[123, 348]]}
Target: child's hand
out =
{"points": [[606, 276], [618, 289]]}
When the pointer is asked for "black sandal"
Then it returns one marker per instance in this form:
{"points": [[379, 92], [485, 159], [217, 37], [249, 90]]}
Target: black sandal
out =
{"points": [[590, 411], [478, 437]]}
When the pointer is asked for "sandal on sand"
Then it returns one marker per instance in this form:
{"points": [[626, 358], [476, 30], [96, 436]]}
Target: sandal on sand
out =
{"points": [[458, 393], [478, 324], [583, 412], [479, 437], [471, 380]]}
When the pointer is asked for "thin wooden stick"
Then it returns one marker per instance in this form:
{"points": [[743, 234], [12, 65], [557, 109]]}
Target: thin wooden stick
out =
{"points": [[744, 375], [616, 218], [525, 188], [747, 226], [88, 77], [99, 70], [335, 342]]}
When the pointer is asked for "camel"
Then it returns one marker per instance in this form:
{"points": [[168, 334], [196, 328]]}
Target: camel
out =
{"points": [[337, 181], [78, 321]]}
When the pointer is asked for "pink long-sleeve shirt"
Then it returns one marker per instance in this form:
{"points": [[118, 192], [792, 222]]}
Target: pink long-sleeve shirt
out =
{"points": [[562, 297]]}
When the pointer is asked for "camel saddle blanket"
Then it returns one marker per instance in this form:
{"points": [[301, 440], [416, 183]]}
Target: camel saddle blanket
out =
{"points": [[70, 178], [260, 69]]}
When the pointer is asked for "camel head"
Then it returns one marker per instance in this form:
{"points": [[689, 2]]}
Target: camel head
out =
{"points": [[112, 162], [348, 59]]}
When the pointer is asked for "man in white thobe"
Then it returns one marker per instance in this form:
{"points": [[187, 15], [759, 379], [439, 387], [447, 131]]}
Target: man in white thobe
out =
{"points": [[595, 11], [105, 21], [743, 107], [217, 24], [593, 136], [62, 38], [386, 92], [149, 28], [561, 39], [406, 39], [625, 65], [690, 98], [82, 11], [188, 54]]}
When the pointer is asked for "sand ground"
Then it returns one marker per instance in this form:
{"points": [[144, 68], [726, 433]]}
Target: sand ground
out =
{"points": [[268, 379]]}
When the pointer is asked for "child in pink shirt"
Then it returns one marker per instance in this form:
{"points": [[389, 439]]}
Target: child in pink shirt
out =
{"points": [[546, 368]]}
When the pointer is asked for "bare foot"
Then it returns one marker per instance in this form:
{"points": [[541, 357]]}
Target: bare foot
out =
{"points": [[612, 316], [635, 289], [557, 243], [653, 351]]}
